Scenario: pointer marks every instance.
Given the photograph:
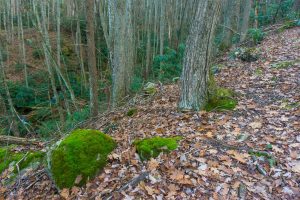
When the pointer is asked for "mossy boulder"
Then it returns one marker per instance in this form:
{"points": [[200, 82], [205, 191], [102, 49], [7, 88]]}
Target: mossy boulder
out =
{"points": [[221, 99], [152, 147], [249, 54], [79, 157], [150, 88], [9, 158]]}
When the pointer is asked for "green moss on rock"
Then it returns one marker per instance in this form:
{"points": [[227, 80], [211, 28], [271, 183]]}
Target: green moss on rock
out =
{"points": [[7, 157], [83, 153], [152, 147], [221, 99]]}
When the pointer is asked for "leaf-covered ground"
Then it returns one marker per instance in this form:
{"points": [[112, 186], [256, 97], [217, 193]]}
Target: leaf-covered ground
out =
{"points": [[252, 152]]}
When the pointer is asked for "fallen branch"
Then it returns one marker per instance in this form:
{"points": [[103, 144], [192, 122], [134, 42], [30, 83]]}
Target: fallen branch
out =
{"points": [[131, 184], [4, 139]]}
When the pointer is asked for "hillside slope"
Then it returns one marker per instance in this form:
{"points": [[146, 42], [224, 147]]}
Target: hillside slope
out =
{"points": [[251, 152]]}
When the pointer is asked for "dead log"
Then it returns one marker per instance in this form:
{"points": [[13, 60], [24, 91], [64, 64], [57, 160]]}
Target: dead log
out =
{"points": [[4, 139]]}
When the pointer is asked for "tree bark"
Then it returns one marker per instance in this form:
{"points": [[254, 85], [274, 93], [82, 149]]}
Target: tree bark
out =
{"points": [[245, 19], [197, 57], [94, 105]]}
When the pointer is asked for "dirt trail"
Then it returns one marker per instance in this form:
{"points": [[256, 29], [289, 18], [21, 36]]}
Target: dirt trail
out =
{"points": [[213, 160]]}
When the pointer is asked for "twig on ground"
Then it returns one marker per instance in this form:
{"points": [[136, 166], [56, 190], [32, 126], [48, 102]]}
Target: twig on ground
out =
{"points": [[132, 183]]}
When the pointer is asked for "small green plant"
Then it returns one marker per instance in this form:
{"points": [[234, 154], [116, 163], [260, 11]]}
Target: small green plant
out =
{"points": [[131, 112], [82, 154], [257, 35], [152, 147], [38, 54], [258, 72]]}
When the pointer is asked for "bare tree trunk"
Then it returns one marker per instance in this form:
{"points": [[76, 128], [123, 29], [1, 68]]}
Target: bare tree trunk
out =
{"points": [[196, 62], [162, 27], [47, 51], [21, 41], [119, 38], [94, 104], [256, 13], [245, 19]]}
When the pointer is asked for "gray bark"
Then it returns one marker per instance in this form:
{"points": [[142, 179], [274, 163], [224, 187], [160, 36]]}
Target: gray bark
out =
{"points": [[94, 105], [196, 62]]}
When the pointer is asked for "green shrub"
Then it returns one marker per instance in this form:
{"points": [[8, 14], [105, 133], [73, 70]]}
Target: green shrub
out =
{"points": [[257, 35], [83, 153], [38, 54], [152, 147], [169, 65], [136, 84]]}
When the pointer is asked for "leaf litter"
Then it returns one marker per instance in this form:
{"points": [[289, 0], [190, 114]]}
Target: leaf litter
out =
{"points": [[214, 159]]}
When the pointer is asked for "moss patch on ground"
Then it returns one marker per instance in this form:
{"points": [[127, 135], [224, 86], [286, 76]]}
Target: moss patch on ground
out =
{"points": [[220, 99], [283, 64], [7, 157], [152, 147], [80, 156]]}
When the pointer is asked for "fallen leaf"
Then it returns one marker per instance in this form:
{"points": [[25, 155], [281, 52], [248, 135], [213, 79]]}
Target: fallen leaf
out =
{"points": [[255, 125], [65, 193], [177, 175], [153, 164], [241, 157]]}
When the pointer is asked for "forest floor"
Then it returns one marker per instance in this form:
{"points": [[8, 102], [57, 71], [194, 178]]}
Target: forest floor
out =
{"points": [[214, 159]]}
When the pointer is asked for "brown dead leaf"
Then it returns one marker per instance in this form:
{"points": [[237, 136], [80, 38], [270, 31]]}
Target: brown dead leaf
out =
{"points": [[173, 188], [177, 175], [153, 164], [65, 193], [255, 125], [149, 190], [209, 134], [241, 157]]}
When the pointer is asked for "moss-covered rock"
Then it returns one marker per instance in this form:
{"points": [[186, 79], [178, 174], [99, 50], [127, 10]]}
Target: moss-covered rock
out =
{"points": [[81, 154], [249, 54], [9, 158], [152, 147], [150, 88], [220, 99]]}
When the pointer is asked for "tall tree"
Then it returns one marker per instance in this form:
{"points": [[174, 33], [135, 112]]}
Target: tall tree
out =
{"points": [[246, 6], [94, 104], [197, 57]]}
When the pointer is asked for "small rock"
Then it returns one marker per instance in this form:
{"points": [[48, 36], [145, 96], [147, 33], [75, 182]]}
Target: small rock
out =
{"points": [[183, 158], [298, 138], [202, 166]]}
